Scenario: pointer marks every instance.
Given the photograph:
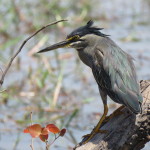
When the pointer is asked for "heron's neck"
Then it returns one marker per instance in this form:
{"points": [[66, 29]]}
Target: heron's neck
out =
{"points": [[86, 58]]}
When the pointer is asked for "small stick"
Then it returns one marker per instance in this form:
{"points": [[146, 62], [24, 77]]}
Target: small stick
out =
{"points": [[32, 147], [47, 145], [56, 137], [22, 45], [31, 118]]}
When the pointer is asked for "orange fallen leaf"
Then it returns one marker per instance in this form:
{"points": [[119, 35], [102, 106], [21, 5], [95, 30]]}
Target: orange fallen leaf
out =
{"points": [[34, 130], [43, 137], [26, 130], [44, 131], [52, 128]]}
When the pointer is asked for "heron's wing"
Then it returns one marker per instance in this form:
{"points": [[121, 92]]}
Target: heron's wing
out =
{"points": [[119, 66]]}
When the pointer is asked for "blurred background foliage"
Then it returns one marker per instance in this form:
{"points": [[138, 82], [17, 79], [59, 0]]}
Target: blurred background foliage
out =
{"points": [[56, 86]]}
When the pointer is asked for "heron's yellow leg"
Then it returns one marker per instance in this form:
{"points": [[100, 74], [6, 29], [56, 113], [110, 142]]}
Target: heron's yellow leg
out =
{"points": [[117, 112], [96, 129]]}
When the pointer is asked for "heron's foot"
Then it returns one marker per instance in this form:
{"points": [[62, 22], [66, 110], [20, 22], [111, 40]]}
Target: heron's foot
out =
{"points": [[92, 134], [97, 128], [117, 112]]}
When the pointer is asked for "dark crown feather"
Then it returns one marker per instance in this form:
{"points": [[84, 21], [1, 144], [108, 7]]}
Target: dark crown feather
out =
{"points": [[89, 25], [87, 29]]}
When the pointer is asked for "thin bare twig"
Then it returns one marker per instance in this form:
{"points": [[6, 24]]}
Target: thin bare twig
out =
{"points": [[47, 145], [32, 147], [19, 50], [56, 137], [31, 118]]}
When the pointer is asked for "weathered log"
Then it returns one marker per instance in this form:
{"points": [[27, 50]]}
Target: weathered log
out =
{"points": [[126, 131]]}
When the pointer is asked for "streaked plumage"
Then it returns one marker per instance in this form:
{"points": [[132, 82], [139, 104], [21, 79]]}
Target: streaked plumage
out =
{"points": [[115, 74]]}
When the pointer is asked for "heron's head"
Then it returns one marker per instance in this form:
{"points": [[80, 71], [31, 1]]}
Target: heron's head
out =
{"points": [[78, 39]]}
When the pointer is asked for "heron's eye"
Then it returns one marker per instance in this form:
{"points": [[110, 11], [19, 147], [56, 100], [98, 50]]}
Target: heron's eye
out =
{"points": [[75, 37]]}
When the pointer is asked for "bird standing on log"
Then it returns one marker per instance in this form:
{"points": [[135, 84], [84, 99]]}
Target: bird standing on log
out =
{"points": [[113, 69]]}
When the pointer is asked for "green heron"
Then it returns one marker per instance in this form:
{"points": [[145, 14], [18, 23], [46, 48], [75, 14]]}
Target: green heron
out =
{"points": [[113, 69]]}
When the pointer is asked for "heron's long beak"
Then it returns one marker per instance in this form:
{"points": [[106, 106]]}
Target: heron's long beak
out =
{"points": [[55, 46]]}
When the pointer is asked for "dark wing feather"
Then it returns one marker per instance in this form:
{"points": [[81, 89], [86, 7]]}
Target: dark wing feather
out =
{"points": [[120, 68]]}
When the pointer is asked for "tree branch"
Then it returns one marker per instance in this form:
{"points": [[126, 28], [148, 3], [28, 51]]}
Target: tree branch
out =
{"points": [[22, 45], [126, 131]]}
